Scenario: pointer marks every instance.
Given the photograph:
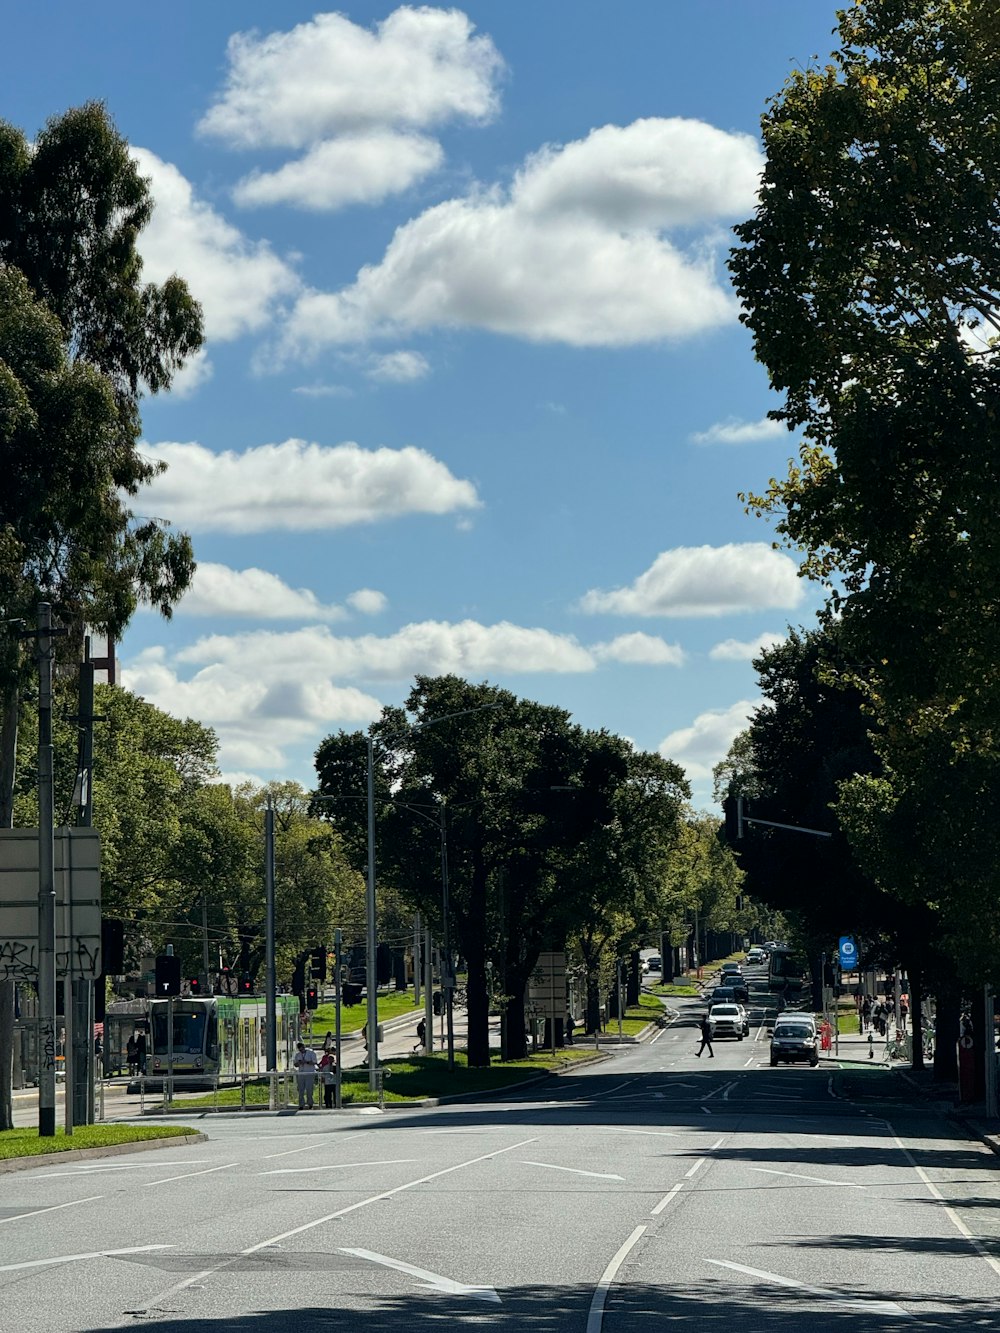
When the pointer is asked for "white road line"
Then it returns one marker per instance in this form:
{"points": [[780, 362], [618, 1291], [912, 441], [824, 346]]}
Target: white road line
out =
{"points": [[207, 1171], [749, 1062], [85, 1169], [819, 1180], [616, 1088], [76, 1258], [289, 1152], [973, 1240], [697, 1167], [717, 1144], [432, 1281], [834, 1297], [728, 1089], [595, 1317], [51, 1209], [659, 1133], [671, 1194], [706, 1110], [337, 1166], [196, 1278], [573, 1170]]}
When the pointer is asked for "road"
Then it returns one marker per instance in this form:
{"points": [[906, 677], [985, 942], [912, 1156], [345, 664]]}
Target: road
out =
{"points": [[650, 1191]]}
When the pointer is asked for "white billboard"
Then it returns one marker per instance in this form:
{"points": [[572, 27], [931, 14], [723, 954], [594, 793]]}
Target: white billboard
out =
{"points": [[78, 903]]}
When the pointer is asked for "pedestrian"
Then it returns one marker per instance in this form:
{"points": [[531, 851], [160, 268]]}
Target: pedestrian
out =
{"points": [[871, 1044], [305, 1074], [706, 1037], [866, 1014], [570, 1026], [328, 1077], [421, 1035], [328, 1042], [131, 1055], [141, 1048], [904, 1010], [364, 1038]]}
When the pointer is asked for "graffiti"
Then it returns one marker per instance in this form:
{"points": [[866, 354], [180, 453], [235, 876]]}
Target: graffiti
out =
{"points": [[19, 958], [47, 1042]]}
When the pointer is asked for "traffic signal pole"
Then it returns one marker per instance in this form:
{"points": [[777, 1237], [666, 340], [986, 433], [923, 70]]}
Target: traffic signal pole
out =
{"points": [[46, 886], [271, 980]]}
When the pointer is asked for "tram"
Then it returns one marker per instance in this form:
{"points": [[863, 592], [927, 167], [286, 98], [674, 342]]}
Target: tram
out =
{"points": [[222, 1036], [786, 970]]}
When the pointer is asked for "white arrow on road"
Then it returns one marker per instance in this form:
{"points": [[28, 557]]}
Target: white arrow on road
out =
{"points": [[834, 1297], [337, 1166], [573, 1170], [433, 1281], [819, 1180], [75, 1258]]}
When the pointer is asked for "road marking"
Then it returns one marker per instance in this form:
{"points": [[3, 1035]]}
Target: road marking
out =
{"points": [[91, 1168], [697, 1166], [728, 1089], [148, 1184], [616, 1088], [834, 1297], [659, 1133], [749, 1062], [337, 1166], [819, 1180], [973, 1240], [51, 1209], [706, 1110], [76, 1258], [655, 1212], [595, 1316], [196, 1278], [717, 1144], [431, 1281], [288, 1152], [573, 1170]]}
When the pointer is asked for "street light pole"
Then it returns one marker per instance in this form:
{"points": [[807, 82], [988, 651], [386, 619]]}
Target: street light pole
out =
{"points": [[447, 970], [371, 983], [46, 886], [271, 981]]}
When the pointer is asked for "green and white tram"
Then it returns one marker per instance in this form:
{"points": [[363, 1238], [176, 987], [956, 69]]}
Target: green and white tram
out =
{"points": [[220, 1035]]}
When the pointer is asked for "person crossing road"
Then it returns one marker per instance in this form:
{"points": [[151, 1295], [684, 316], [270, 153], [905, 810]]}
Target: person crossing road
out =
{"points": [[706, 1037]]}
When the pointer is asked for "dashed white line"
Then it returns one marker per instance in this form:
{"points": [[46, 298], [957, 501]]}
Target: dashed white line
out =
{"points": [[671, 1194], [697, 1167], [337, 1166], [148, 1184]]}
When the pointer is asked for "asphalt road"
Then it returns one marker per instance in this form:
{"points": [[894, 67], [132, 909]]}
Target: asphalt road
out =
{"points": [[651, 1191]]}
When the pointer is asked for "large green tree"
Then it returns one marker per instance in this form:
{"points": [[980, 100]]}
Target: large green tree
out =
{"points": [[870, 278]]}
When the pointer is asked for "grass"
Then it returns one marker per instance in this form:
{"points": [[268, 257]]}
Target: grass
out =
{"points": [[24, 1142], [848, 1022], [417, 1077], [676, 988], [637, 1016], [390, 1005]]}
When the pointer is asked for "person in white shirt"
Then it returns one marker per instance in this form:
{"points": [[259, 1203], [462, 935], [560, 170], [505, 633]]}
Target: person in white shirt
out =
{"points": [[305, 1074]]}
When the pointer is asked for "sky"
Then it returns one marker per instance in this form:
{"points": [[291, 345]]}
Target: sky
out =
{"points": [[474, 397]]}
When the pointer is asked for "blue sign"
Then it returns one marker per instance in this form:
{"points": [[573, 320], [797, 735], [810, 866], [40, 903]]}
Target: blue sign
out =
{"points": [[849, 955]]}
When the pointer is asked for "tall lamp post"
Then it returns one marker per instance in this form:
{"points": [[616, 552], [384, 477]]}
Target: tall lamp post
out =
{"points": [[371, 984]]}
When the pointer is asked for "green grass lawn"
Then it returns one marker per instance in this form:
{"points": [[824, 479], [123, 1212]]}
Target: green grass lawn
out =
{"points": [[637, 1016], [24, 1142], [848, 1022], [689, 988], [390, 1005]]}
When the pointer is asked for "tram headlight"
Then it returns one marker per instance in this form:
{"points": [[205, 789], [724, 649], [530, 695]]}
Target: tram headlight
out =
{"points": [[198, 1062]]}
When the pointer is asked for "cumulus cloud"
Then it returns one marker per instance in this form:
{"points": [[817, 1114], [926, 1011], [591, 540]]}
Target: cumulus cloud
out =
{"points": [[296, 486], [217, 591], [240, 283], [734, 431], [356, 169], [398, 367], [734, 650], [706, 581], [640, 650], [355, 100], [699, 747], [324, 391], [195, 372], [368, 602], [575, 251]]}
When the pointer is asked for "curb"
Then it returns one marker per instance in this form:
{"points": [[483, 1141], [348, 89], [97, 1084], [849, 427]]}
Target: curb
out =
{"points": [[108, 1150]]}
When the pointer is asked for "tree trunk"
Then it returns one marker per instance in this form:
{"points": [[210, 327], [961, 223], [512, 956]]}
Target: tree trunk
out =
{"points": [[593, 1020], [517, 1037], [916, 1018], [8, 761], [666, 958], [946, 1037]]}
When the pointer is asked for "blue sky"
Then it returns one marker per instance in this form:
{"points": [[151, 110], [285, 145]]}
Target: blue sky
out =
{"points": [[475, 397]]}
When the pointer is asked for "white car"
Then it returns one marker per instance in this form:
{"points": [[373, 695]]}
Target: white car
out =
{"points": [[727, 1020]]}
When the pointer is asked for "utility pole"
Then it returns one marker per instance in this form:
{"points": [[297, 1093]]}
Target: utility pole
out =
{"points": [[271, 982], [428, 997], [338, 940], [371, 979], [82, 1025], [447, 966], [46, 885], [417, 938]]}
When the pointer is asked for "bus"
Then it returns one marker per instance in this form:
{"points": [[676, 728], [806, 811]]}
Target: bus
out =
{"points": [[219, 1036], [787, 970]]}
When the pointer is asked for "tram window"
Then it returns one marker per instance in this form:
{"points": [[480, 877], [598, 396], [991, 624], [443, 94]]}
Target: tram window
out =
{"points": [[189, 1033]]}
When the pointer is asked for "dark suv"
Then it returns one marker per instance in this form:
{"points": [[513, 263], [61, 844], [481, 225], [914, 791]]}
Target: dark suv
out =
{"points": [[794, 1040]]}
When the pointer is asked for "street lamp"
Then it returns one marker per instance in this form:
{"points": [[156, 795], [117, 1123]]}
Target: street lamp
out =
{"points": [[372, 986]]}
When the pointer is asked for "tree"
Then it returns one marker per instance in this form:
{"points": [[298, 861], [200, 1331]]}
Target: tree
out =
{"points": [[870, 278], [80, 338]]}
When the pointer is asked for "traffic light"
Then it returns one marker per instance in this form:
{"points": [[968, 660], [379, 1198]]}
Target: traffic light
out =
{"points": [[246, 984], [168, 975], [194, 985], [437, 1003], [312, 998], [732, 808], [318, 964]]}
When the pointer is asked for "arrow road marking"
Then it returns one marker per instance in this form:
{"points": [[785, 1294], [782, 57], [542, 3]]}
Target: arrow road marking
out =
{"points": [[433, 1281], [337, 1166], [657, 1133], [834, 1297], [52, 1208], [819, 1180], [75, 1258], [575, 1171]]}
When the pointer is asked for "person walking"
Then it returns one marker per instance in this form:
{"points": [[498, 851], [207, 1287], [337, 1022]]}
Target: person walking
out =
{"points": [[706, 1037], [421, 1036], [570, 1026], [305, 1074], [866, 1014], [328, 1077], [329, 1042], [904, 1010], [131, 1055]]}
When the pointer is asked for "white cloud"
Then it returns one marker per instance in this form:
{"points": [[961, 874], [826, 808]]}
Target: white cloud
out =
{"points": [[734, 650], [428, 647], [573, 252], [734, 431], [699, 747], [196, 371], [217, 591], [324, 391], [640, 649], [399, 367], [418, 67], [368, 602], [355, 169], [239, 282], [296, 486], [706, 581]]}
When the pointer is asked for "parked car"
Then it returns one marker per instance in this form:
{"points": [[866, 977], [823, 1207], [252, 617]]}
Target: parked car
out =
{"points": [[727, 1021], [794, 1039]]}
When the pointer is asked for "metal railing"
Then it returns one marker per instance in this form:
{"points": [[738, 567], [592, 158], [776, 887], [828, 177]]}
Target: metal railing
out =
{"points": [[157, 1091]]}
